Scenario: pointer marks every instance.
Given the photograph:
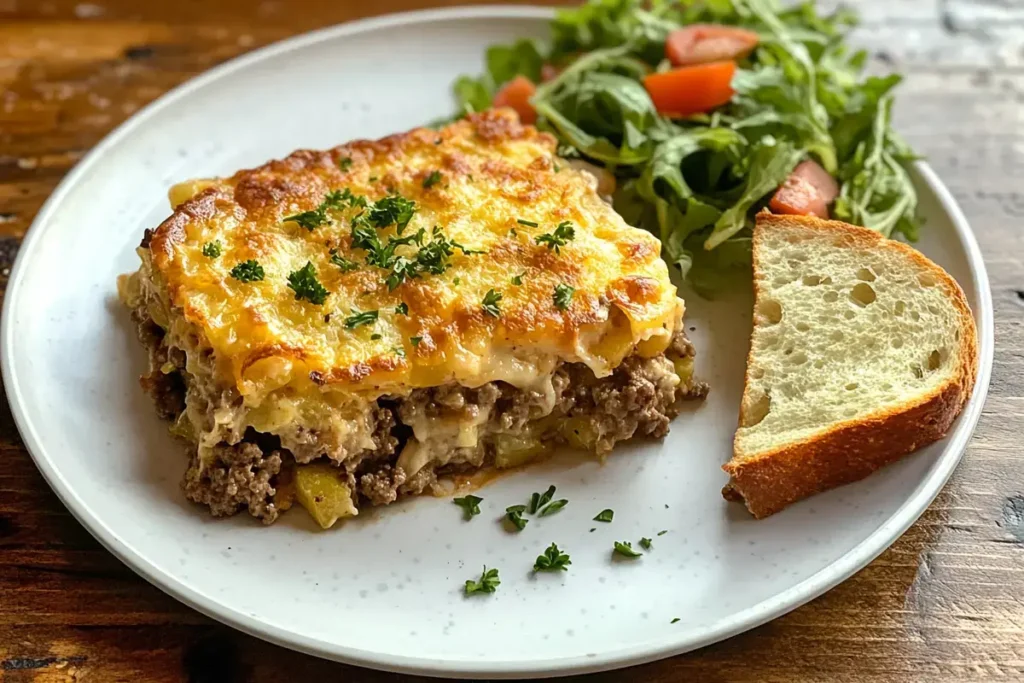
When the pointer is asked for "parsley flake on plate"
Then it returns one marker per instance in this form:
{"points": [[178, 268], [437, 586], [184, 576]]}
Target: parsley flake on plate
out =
{"points": [[645, 543], [563, 234], [605, 515], [488, 582], [563, 296], [490, 303], [248, 271], [663, 532], [539, 500], [470, 505], [552, 560], [552, 508], [212, 249], [625, 548], [306, 285], [514, 514], [364, 318], [674, 620]]}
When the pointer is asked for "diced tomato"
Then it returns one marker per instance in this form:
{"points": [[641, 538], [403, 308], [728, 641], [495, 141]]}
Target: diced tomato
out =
{"points": [[797, 196], [516, 94], [703, 43], [691, 89], [813, 173], [549, 72], [807, 191]]}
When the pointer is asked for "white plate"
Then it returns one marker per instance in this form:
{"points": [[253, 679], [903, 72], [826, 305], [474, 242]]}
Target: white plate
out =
{"points": [[385, 591]]}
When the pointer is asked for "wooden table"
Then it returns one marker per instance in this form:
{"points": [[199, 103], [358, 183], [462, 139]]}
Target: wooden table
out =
{"points": [[945, 603]]}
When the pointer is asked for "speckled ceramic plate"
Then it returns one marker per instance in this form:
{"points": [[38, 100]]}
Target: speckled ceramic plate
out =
{"points": [[385, 591]]}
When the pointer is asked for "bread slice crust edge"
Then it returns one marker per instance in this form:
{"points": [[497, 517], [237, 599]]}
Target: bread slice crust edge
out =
{"points": [[853, 449]]}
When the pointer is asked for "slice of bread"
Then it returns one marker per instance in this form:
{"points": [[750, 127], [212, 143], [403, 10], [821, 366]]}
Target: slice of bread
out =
{"points": [[863, 350]]}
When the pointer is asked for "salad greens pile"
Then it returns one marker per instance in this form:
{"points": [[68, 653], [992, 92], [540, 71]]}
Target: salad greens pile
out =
{"points": [[697, 182]]}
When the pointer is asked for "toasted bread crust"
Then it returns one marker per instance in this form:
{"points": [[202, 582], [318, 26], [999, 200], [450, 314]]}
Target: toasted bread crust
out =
{"points": [[851, 450]]}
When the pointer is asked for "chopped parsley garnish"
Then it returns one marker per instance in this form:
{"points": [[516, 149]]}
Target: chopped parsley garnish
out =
{"points": [[514, 514], [488, 582], [552, 560], [399, 351], [604, 516], [432, 257], [456, 281], [357, 319], [376, 336], [212, 249], [345, 163], [563, 296], [373, 179], [306, 285], [346, 265], [415, 341], [470, 505], [248, 271], [554, 507], [336, 200], [402, 309], [539, 500], [662, 533], [625, 548], [512, 232], [309, 220], [674, 620], [518, 279], [645, 543], [523, 221], [433, 179], [562, 235], [391, 210], [490, 303]]}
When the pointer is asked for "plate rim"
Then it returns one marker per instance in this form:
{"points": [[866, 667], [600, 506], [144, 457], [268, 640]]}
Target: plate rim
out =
{"points": [[683, 641]]}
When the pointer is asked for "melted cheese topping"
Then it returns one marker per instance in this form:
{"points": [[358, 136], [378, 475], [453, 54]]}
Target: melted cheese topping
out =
{"points": [[493, 173]]}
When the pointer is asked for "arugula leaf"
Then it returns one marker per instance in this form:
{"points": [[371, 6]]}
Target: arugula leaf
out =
{"points": [[472, 94], [488, 582], [770, 163], [505, 62]]}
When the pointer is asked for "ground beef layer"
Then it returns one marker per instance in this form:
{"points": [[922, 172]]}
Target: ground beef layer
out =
{"points": [[639, 398]]}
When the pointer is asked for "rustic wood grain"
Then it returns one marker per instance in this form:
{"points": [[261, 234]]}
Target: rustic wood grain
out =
{"points": [[945, 603]]}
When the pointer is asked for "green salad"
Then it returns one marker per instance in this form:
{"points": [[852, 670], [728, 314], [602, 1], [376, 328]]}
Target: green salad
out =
{"points": [[708, 111]]}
